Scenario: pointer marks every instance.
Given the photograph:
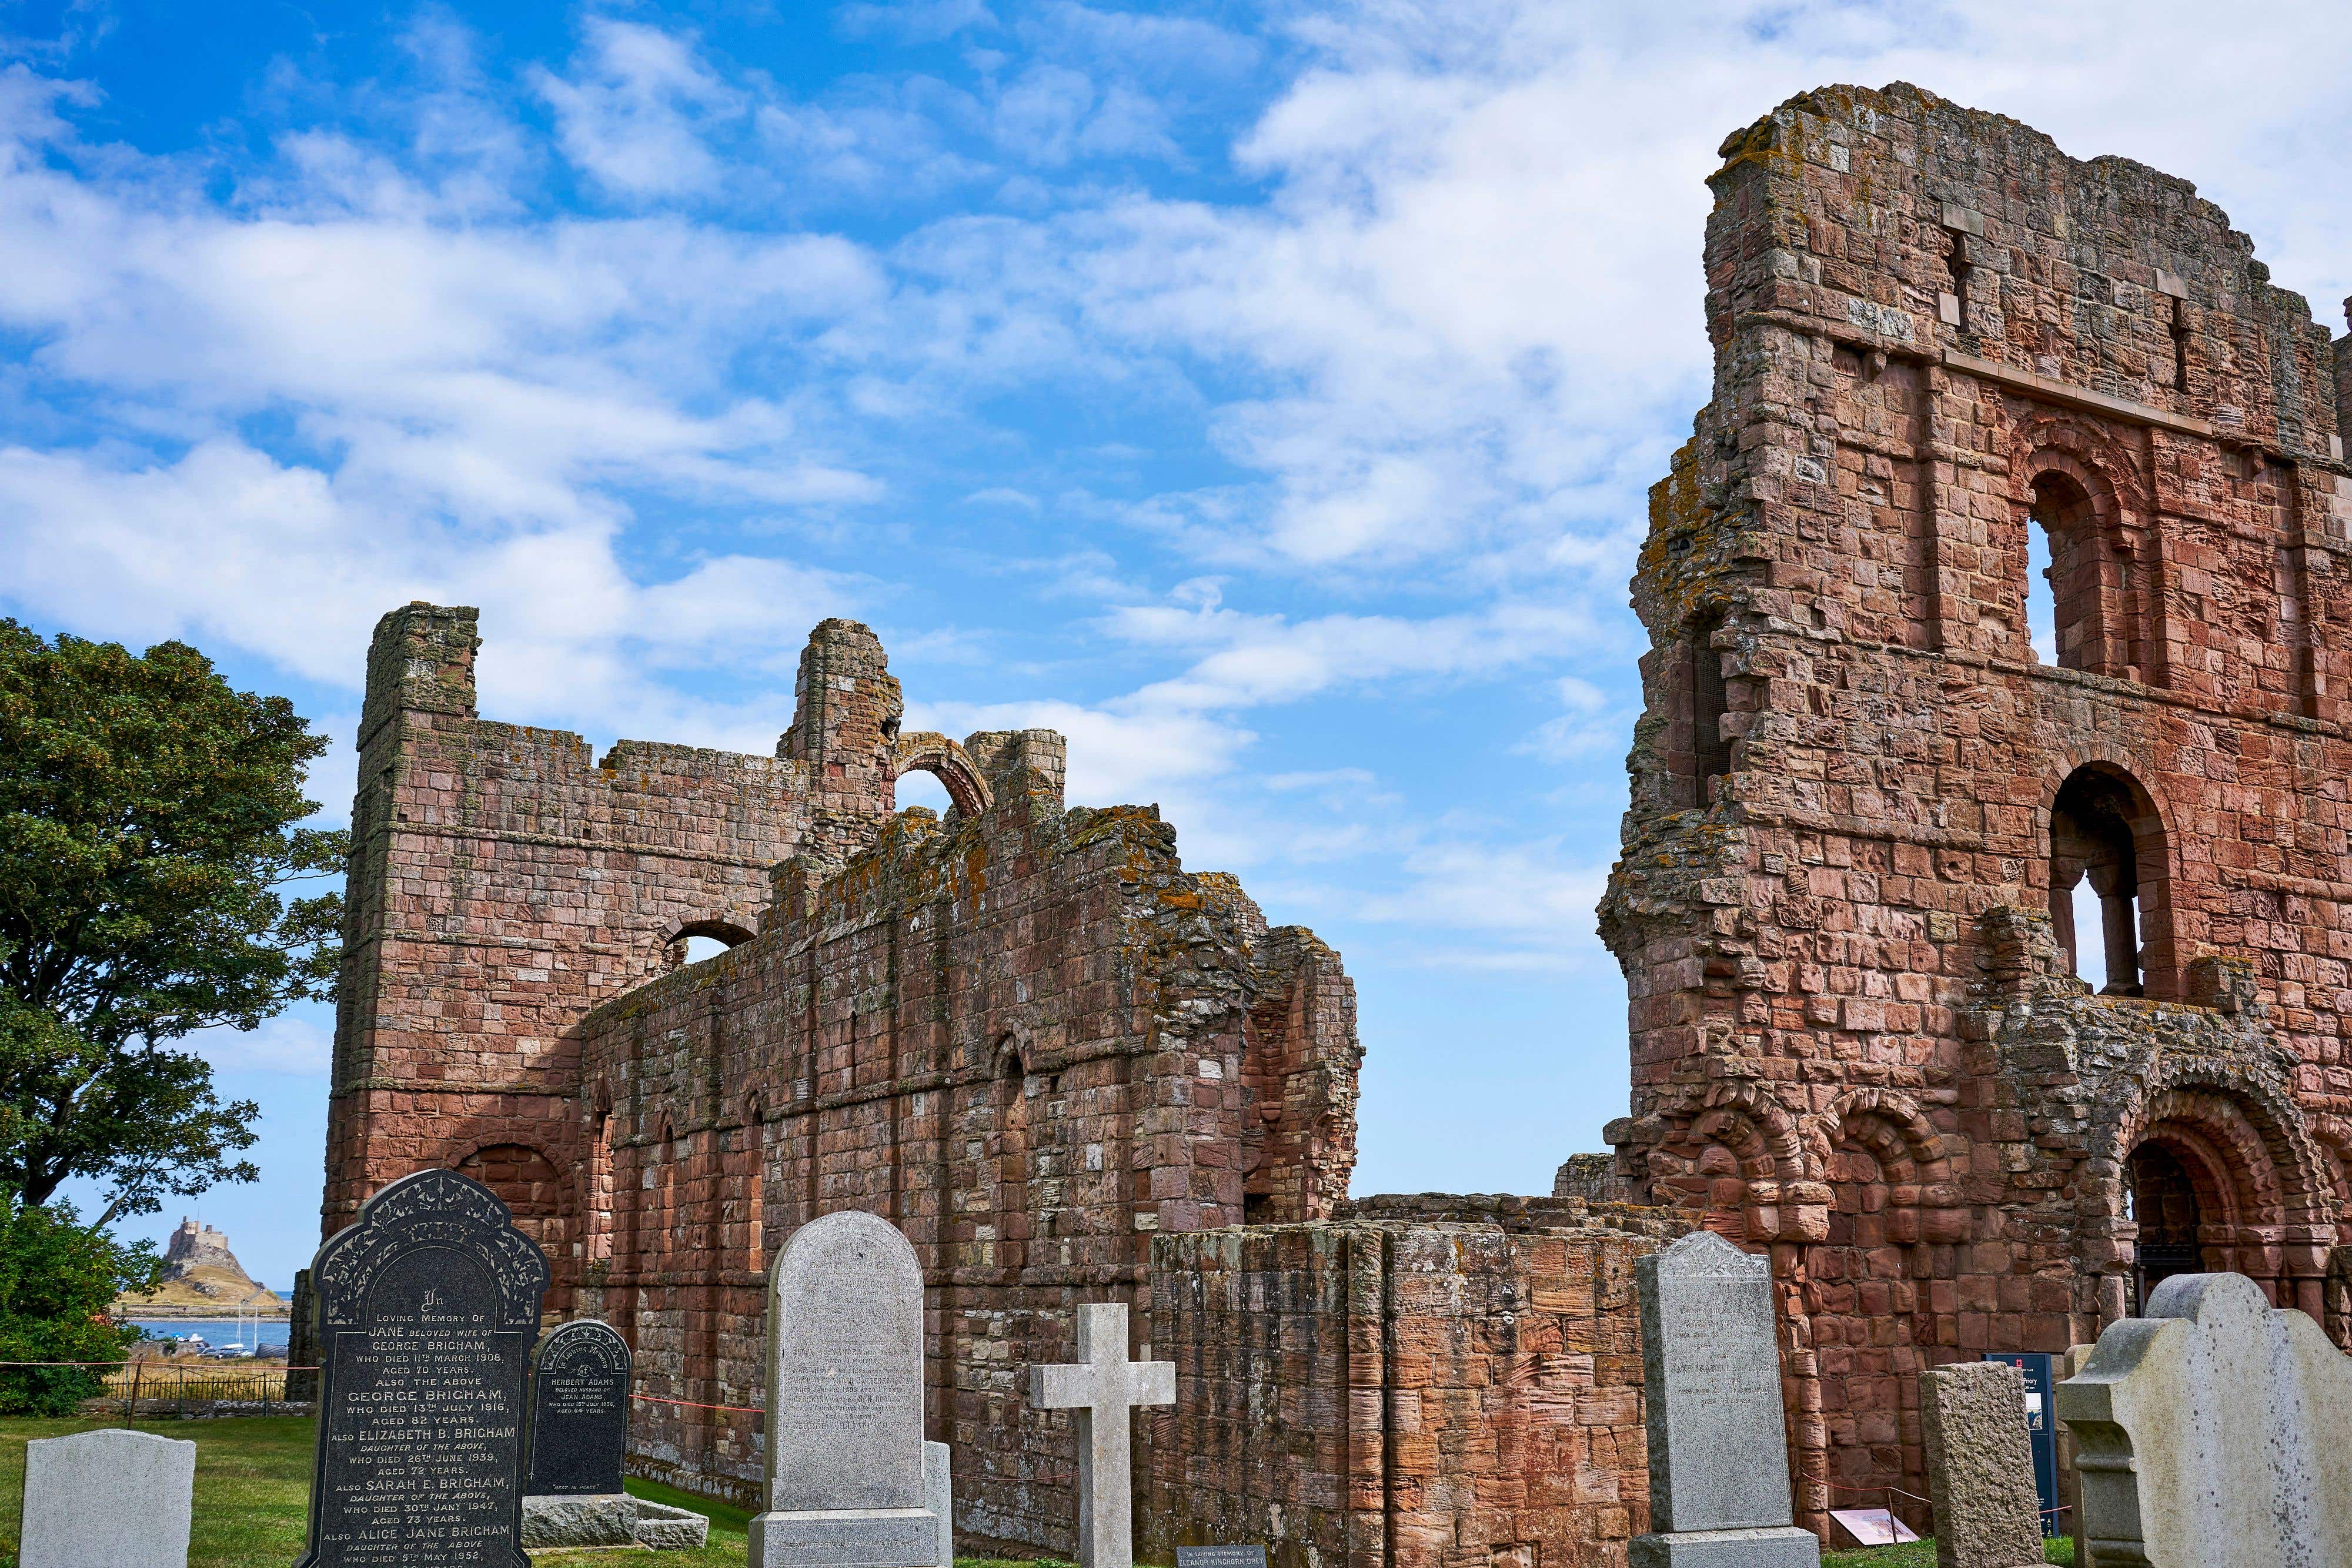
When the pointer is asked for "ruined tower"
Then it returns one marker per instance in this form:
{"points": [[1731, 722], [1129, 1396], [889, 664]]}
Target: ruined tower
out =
{"points": [[1867, 806]]}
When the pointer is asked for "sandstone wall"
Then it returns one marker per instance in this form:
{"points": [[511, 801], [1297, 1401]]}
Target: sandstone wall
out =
{"points": [[1857, 1040], [1030, 1039], [1025, 1035], [1427, 1380], [502, 883]]}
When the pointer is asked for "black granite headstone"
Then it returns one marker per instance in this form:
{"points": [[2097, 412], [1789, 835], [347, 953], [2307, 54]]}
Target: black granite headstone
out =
{"points": [[579, 1411], [425, 1310]]}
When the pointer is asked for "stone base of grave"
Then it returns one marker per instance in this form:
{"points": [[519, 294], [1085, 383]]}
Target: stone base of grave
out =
{"points": [[598, 1519], [1784, 1546], [611, 1520], [846, 1537], [668, 1529]]}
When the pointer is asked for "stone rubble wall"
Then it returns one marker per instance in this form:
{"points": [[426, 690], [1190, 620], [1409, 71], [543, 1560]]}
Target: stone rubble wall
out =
{"points": [[1424, 1380]]}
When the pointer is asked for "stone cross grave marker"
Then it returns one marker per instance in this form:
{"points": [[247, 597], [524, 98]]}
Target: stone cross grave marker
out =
{"points": [[110, 1497], [1980, 1466], [579, 1431], [1101, 1387], [426, 1308], [2215, 1432], [847, 1483], [1711, 1402]]}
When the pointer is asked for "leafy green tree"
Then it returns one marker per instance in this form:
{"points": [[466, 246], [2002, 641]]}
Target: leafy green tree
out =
{"points": [[57, 1279], [147, 835]]}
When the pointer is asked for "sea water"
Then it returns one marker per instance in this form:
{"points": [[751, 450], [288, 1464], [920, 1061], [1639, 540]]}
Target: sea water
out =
{"points": [[272, 1332]]}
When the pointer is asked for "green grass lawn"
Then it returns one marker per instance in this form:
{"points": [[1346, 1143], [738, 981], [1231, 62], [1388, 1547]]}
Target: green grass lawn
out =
{"points": [[253, 1490], [253, 1494]]}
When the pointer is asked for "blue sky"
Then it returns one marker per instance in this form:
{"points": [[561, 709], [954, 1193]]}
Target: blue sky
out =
{"points": [[1262, 394]]}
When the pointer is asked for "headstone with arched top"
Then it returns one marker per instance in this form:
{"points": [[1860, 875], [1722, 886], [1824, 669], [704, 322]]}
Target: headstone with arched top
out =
{"points": [[426, 1308], [845, 1453]]}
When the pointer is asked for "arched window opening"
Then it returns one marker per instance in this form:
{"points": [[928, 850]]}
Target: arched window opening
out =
{"points": [[2063, 611], [700, 939], [528, 1182], [1011, 1226], [1705, 753], [2106, 880], [2160, 1198]]}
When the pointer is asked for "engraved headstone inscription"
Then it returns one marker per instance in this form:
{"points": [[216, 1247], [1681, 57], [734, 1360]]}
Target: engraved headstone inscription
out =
{"points": [[579, 1431], [845, 1454], [1220, 1557], [1711, 1402], [579, 1410], [426, 1308]]}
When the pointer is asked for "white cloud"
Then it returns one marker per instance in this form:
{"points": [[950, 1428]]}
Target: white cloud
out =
{"points": [[630, 117]]}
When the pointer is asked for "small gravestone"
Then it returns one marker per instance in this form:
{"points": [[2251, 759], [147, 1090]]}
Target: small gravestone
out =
{"points": [[1102, 1387], [847, 1482], [108, 1499], [579, 1431], [1711, 1402], [2215, 1432], [426, 1308], [1980, 1466]]}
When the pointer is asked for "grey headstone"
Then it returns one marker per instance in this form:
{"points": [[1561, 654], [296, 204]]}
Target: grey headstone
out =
{"points": [[579, 1411], [1101, 1388], [427, 1310], [108, 1499], [845, 1485], [1980, 1466], [2214, 1432], [1712, 1406], [939, 1492]]}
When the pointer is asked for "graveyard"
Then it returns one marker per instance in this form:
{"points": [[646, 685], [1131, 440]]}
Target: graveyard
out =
{"points": [[252, 1489], [986, 1193]]}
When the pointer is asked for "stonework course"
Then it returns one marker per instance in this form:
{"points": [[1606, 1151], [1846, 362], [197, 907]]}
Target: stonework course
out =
{"points": [[1863, 802]]}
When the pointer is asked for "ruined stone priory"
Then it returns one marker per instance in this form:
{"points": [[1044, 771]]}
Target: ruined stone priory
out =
{"points": [[1865, 806], [1071, 1070]]}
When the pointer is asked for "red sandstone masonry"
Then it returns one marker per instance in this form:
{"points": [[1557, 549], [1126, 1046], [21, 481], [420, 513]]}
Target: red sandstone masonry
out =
{"points": [[1855, 1040], [1431, 1381], [1026, 1035]]}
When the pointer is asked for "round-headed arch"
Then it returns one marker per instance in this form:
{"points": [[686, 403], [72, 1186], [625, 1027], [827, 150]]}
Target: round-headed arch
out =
{"points": [[927, 752]]}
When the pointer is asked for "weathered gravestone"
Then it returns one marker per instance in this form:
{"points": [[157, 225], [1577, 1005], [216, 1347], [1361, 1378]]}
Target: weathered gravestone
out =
{"points": [[108, 1499], [2215, 1432], [426, 1308], [1102, 1387], [572, 1492], [1711, 1401], [579, 1431], [1980, 1466], [849, 1482]]}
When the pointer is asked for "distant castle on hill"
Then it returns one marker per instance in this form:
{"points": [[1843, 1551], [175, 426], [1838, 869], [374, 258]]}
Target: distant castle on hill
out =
{"points": [[202, 1278]]}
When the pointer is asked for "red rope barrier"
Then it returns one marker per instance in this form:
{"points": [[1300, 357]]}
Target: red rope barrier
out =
{"points": [[690, 1405]]}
